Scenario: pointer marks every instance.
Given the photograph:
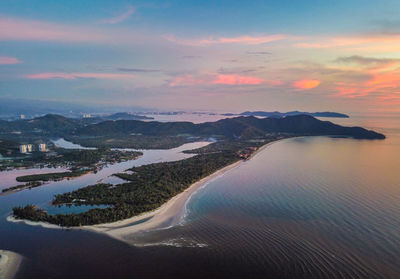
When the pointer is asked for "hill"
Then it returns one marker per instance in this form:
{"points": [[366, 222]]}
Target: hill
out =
{"points": [[238, 127], [291, 113], [126, 116]]}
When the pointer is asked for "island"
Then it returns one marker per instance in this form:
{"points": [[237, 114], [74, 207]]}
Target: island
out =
{"points": [[290, 113]]}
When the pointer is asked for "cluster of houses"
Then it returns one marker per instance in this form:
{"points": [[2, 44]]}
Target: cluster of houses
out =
{"points": [[28, 148]]}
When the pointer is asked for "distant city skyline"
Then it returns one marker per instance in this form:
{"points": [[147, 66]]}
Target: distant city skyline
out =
{"points": [[204, 55]]}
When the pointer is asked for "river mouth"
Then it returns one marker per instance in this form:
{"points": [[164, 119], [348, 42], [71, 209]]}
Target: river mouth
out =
{"points": [[310, 208]]}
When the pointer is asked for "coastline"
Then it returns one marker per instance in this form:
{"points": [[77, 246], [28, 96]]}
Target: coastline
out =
{"points": [[9, 264], [167, 215], [164, 216]]}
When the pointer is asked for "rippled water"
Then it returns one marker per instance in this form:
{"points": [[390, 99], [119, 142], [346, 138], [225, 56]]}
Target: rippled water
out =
{"points": [[310, 207]]}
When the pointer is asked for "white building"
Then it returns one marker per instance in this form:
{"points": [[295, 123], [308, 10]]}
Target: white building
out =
{"points": [[42, 147], [25, 148], [22, 148]]}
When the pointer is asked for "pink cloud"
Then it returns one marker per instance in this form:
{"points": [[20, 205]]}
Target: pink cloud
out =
{"points": [[367, 42], [237, 80], [124, 16], [221, 79], [248, 40], [72, 76], [21, 29], [306, 84], [5, 60]]}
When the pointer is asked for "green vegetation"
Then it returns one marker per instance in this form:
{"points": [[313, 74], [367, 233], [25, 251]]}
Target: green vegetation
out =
{"points": [[8, 148], [28, 185], [51, 176], [130, 141], [235, 145], [148, 188], [234, 128], [74, 159]]}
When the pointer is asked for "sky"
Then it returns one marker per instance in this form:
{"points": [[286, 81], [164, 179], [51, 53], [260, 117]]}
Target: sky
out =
{"points": [[231, 56]]}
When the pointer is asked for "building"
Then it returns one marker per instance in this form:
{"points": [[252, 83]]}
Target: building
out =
{"points": [[87, 115], [22, 116], [42, 147], [25, 148], [22, 148]]}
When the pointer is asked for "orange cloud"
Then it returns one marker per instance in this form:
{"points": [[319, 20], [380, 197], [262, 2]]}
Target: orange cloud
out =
{"points": [[383, 82], [72, 76], [306, 84], [366, 43]]}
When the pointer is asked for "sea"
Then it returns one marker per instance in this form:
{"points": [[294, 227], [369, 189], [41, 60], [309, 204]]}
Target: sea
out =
{"points": [[305, 207]]}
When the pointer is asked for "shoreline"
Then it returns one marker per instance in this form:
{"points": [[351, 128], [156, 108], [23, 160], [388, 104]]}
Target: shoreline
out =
{"points": [[168, 214], [165, 216], [9, 264]]}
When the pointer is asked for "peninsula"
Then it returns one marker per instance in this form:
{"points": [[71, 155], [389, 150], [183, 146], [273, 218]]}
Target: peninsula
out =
{"points": [[149, 187]]}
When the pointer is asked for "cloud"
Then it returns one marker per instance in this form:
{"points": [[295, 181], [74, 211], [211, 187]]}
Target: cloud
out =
{"points": [[259, 52], [237, 80], [221, 79], [73, 76], [306, 84], [382, 78], [248, 40], [136, 70], [122, 17], [5, 60], [361, 60], [21, 29], [374, 42]]}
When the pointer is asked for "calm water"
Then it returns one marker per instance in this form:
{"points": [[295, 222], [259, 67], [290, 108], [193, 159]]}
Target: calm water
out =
{"points": [[313, 207]]}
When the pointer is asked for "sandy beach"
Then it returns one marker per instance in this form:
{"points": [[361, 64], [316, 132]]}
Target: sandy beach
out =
{"points": [[168, 214], [9, 264]]}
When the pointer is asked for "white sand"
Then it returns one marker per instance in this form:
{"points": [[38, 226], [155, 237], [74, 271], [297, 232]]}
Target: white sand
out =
{"points": [[169, 212], [32, 223], [9, 264]]}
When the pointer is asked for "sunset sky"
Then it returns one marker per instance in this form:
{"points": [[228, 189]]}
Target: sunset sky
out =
{"points": [[204, 55]]}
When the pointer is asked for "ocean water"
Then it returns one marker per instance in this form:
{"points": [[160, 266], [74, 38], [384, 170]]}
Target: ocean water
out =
{"points": [[307, 207]]}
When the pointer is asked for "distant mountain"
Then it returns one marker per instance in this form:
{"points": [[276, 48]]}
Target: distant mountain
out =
{"points": [[51, 124], [12, 108], [238, 127], [277, 114], [126, 116]]}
